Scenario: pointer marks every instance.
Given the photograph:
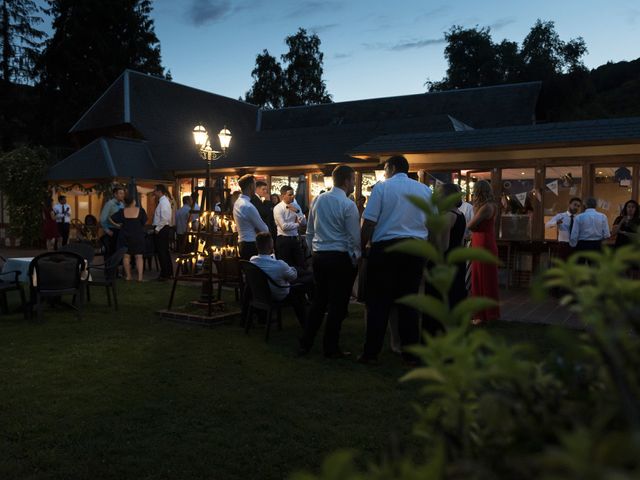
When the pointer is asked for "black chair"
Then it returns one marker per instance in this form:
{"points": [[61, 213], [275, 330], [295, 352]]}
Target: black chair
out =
{"points": [[9, 282], [54, 274], [150, 253], [259, 284], [105, 274], [84, 249], [230, 275]]}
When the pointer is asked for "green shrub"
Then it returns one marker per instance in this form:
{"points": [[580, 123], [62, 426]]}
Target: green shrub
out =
{"points": [[23, 182]]}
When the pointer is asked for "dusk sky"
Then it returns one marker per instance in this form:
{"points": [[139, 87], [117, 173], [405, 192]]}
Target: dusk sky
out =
{"points": [[372, 48]]}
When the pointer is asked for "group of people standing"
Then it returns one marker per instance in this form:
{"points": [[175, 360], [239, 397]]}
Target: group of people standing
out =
{"points": [[339, 241], [586, 230]]}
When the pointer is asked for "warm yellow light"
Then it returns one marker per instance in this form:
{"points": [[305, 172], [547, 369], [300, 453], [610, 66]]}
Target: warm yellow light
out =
{"points": [[379, 175], [200, 136], [225, 138], [328, 182]]}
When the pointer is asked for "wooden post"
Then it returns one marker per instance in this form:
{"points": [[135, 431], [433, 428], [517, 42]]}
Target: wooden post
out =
{"points": [[537, 222]]}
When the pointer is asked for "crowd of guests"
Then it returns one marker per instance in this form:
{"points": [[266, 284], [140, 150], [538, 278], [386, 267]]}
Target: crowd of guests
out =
{"points": [[347, 238]]}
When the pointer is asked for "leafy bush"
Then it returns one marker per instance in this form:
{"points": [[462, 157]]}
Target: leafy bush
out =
{"points": [[491, 410], [23, 181]]}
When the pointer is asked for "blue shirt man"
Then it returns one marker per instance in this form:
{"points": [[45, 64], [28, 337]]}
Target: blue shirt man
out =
{"points": [[111, 207]]}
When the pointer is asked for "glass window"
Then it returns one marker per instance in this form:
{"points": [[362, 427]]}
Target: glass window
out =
{"points": [[468, 179], [561, 185], [83, 207], [518, 197], [368, 182], [232, 183], [612, 189], [279, 181], [96, 205], [319, 184]]}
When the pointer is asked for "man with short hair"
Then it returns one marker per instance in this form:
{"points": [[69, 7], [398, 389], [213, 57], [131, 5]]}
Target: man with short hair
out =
{"points": [[182, 223], [590, 228], [564, 222], [110, 208], [281, 274], [289, 217], [247, 218], [62, 212], [263, 204], [390, 218], [162, 229], [333, 235]]}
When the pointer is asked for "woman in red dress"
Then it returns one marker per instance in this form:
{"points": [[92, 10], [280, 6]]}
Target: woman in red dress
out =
{"points": [[484, 276], [49, 225]]}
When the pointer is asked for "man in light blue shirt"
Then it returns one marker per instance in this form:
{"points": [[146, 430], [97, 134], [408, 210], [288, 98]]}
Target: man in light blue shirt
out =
{"points": [[108, 210], [590, 228], [389, 218], [281, 275], [182, 223]]}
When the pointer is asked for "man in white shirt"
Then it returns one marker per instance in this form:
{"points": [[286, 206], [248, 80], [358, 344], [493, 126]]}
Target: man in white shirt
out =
{"points": [[281, 274], [590, 228], [162, 229], [333, 235], [564, 222], [247, 218], [62, 212], [390, 218], [289, 217]]}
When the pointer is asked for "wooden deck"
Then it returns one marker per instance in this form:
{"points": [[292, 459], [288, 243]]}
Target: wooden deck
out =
{"points": [[516, 305]]}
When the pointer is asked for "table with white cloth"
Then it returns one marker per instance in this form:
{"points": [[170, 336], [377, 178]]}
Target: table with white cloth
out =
{"points": [[20, 264]]}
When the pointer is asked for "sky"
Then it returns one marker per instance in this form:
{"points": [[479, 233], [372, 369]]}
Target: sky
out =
{"points": [[371, 48]]}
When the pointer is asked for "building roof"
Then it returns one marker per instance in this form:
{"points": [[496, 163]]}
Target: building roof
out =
{"points": [[482, 107], [321, 145], [108, 158], [164, 113], [618, 130]]}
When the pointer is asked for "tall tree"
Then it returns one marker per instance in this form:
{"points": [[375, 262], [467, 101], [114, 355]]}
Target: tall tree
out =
{"points": [[19, 39], [299, 83], [303, 83], [93, 42], [268, 88]]}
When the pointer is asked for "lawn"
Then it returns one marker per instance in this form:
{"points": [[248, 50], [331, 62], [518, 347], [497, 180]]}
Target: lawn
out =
{"points": [[125, 395]]}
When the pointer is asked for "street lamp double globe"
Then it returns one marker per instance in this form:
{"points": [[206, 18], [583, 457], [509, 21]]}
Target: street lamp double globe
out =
{"points": [[202, 141]]}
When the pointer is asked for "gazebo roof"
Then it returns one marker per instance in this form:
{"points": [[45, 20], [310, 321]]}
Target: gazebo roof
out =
{"points": [[108, 158]]}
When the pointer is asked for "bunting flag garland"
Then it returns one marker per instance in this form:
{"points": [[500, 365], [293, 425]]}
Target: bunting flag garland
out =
{"points": [[553, 186], [521, 197], [439, 182]]}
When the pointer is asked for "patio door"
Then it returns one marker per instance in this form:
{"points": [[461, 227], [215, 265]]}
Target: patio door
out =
{"points": [[468, 179]]}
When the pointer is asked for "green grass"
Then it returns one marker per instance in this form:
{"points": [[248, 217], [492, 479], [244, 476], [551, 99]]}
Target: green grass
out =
{"points": [[128, 396]]}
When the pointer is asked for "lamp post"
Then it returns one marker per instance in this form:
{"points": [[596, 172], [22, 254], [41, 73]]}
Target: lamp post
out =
{"points": [[202, 141]]}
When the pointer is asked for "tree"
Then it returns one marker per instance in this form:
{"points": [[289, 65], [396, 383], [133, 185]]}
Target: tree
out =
{"points": [[268, 88], [92, 44], [303, 83], [545, 55], [300, 83], [19, 40]]}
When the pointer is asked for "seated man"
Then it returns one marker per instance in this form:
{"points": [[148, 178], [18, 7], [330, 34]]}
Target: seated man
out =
{"points": [[281, 274]]}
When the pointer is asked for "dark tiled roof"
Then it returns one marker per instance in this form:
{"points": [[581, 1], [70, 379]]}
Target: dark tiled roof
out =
{"points": [[108, 158], [319, 145], [164, 113], [484, 107], [542, 135]]}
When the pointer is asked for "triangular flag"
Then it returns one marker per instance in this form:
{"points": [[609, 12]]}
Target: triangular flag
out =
{"points": [[553, 186], [439, 182], [522, 197]]}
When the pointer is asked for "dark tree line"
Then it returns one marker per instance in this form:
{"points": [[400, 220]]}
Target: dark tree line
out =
{"points": [[93, 41], [298, 83], [569, 90]]}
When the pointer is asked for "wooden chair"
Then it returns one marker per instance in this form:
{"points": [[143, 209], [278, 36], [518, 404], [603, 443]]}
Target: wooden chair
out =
{"points": [[9, 282], [104, 275]]}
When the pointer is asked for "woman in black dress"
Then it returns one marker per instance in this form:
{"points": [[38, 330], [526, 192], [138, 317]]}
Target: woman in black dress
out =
{"points": [[132, 220], [451, 236], [627, 222]]}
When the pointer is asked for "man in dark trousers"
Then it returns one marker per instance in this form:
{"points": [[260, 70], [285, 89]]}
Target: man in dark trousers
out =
{"points": [[247, 218], [390, 218], [289, 218], [263, 204], [333, 235], [162, 219]]}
